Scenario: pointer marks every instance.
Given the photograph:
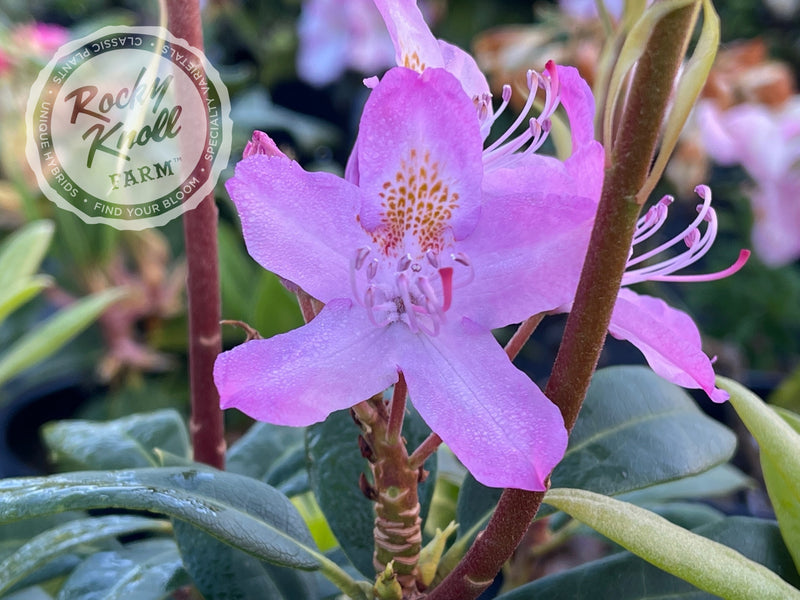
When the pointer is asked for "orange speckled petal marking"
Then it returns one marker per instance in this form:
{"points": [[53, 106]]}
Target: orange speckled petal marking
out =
{"points": [[424, 187], [418, 203], [414, 44]]}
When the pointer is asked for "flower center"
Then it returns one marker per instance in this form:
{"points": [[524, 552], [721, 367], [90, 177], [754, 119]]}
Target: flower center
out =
{"points": [[505, 150], [697, 244], [415, 290], [416, 207]]}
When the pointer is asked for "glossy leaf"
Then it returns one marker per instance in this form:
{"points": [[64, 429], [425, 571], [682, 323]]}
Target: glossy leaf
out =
{"points": [[624, 576], [22, 252], [706, 564], [268, 526], [123, 443], [64, 538], [334, 464], [146, 570], [719, 481], [778, 437], [222, 572], [273, 454], [50, 335], [636, 430]]}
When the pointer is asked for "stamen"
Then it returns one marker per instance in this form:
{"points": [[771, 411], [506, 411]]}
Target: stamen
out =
{"points": [[433, 258], [361, 256], [372, 269], [405, 295], [404, 263], [697, 244], [503, 151], [464, 260], [653, 219]]}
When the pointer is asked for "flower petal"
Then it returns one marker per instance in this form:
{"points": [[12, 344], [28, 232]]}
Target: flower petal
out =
{"points": [[300, 377], [301, 226], [414, 44], [578, 101], [432, 167], [526, 253], [495, 419], [464, 68], [668, 338]]}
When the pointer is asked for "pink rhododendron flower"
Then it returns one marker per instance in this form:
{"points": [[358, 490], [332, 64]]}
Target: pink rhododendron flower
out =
{"points": [[338, 34], [424, 248], [667, 337], [766, 143]]}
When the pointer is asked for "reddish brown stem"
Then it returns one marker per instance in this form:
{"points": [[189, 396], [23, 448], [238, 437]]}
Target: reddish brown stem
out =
{"points": [[398, 410], [205, 340], [522, 335], [424, 450], [597, 291]]}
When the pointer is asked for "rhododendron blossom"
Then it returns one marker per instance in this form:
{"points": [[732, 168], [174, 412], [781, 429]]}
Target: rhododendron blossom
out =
{"points": [[417, 255], [668, 338]]}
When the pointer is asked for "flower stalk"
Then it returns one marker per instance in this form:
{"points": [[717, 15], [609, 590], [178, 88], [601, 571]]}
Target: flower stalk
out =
{"points": [[200, 232], [629, 165], [394, 489]]}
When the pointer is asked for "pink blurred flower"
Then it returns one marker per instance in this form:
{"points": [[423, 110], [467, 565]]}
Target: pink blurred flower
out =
{"points": [[335, 35], [39, 39], [766, 143]]}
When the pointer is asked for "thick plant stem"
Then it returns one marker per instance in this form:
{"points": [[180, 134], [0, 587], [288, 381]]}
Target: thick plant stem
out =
{"points": [[398, 526], [200, 231], [597, 290]]}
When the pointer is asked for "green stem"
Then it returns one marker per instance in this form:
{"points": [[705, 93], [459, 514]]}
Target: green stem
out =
{"points": [[597, 290], [205, 339]]}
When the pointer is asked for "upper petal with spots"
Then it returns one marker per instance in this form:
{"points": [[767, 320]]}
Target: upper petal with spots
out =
{"points": [[419, 162]]}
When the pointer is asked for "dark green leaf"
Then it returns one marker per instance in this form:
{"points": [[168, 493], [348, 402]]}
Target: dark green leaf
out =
{"points": [[128, 442], [222, 572], [475, 503], [272, 454], [147, 570], [636, 430], [334, 464], [719, 481], [628, 577], [64, 538], [238, 510]]}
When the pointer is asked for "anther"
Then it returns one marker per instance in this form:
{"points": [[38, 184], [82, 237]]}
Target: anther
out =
{"points": [[403, 263], [372, 269], [461, 258], [361, 256], [433, 258]]}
